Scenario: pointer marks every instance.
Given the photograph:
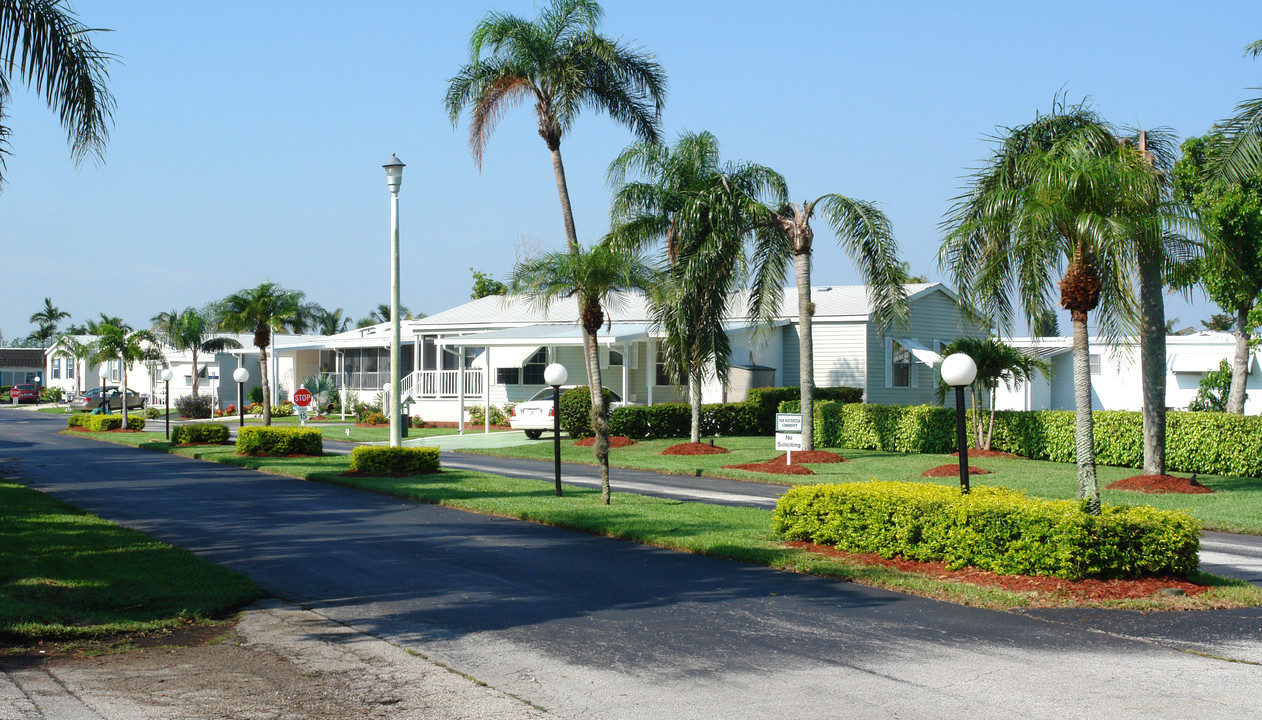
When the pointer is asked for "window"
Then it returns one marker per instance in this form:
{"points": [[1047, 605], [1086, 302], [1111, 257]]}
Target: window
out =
{"points": [[56, 368], [532, 371], [900, 365], [662, 377], [508, 376], [1094, 359], [70, 368]]}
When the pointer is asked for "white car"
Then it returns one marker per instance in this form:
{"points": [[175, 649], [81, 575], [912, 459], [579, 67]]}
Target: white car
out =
{"points": [[535, 415]]}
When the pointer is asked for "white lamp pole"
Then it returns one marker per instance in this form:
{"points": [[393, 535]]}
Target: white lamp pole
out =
{"points": [[959, 371], [394, 178]]}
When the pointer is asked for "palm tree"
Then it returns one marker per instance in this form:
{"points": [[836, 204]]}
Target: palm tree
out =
{"points": [[191, 331], [326, 322], [114, 343], [262, 310], [700, 211], [1060, 190], [786, 239], [592, 277], [565, 66], [52, 51], [93, 327], [996, 362], [1240, 155], [47, 318]]}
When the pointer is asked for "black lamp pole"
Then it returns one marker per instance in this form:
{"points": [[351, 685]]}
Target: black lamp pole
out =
{"points": [[168, 399], [556, 434], [241, 403], [961, 437]]}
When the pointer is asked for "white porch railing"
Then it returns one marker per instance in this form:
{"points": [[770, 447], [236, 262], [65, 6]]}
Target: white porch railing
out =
{"points": [[433, 384]]}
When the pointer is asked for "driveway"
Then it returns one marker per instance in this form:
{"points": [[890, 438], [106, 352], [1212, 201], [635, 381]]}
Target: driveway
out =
{"points": [[594, 628]]}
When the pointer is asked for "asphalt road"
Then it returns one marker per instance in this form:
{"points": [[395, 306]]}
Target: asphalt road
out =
{"points": [[593, 628]]}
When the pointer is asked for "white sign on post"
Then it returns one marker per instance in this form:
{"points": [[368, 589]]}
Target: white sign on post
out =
{"points": [[788, 441], [788, 423], [788, 434]]}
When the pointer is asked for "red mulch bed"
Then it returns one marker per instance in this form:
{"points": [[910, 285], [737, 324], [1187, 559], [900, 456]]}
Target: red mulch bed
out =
{"points": [[979, 453], [779, 465], [692, 448], [952, 471], [615, 441], [1053, 590], [1158, 484]]}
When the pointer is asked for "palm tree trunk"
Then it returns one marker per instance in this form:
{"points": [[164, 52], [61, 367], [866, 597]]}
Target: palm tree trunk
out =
{"points": [[1084, 440], [694, 387], [806, 348], [990, 430], [194, 371], [267, 394], [1152, 361], [1239, 362], [563, 190], [123, 365], [600, 414]]}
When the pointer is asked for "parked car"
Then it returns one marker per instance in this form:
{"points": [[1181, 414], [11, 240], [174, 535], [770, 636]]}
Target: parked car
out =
{"points": [[24, 393], [536, 414], [91, 400]]}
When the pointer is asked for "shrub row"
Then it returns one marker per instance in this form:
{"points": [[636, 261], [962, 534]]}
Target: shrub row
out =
{"points": [[101, 423], [394, 461], [755, 416], [210, 433], [994, 529], [1208, 443], [280, 441]]}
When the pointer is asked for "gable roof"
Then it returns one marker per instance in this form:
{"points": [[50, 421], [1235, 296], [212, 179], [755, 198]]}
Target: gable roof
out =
{"points": [[22, 357]]}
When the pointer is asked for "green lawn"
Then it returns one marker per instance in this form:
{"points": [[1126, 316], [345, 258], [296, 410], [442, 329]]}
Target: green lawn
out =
{"points": [[66, 574], [1234, 506], [742, 534]]}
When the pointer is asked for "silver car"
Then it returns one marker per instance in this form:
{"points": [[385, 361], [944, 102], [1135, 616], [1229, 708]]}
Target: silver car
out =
{"points": [[91, 400]]}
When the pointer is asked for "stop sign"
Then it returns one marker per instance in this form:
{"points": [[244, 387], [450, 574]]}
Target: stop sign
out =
{"points": [[302, 397]]}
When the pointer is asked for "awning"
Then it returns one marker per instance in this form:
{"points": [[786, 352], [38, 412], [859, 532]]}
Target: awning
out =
{"points": [[1200, 362], [920, 352], [508, 356]]}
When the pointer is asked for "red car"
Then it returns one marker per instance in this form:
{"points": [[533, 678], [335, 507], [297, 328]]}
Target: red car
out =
{"points": [[24, 393]]}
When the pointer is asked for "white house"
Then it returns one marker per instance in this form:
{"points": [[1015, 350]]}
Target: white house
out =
{"points": [[62, 369], [493, 351], [1116, 382]]}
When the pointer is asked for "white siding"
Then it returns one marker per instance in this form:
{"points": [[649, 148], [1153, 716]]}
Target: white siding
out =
{"points": [[934, 317]]}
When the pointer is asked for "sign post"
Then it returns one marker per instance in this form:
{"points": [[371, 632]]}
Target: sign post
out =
{"points": [[302, 399], [788, 434]]}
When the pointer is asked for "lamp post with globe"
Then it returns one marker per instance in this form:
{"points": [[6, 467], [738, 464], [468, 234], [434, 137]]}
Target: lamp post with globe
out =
{"points": [[959, 371], [556, 375]]}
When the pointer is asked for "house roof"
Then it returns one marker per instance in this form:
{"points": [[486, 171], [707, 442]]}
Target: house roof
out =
{"points": [[22, 357]]}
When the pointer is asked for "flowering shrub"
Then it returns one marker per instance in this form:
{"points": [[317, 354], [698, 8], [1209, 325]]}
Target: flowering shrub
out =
{"points": [[193, 406]]}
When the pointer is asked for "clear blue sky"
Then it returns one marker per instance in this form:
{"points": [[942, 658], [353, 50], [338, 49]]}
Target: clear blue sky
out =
{"points": [[250, 136]]}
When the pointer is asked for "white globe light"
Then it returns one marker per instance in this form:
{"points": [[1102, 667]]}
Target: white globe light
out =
{"points": [[167, 375], [555, 374], [959, 370], [241, 375]]}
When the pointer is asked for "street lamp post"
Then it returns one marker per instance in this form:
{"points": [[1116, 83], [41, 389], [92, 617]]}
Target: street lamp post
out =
{"points": [[556, 375], [105, 402], [394, 178], [241, 375], [166, 379], [959, 371]]}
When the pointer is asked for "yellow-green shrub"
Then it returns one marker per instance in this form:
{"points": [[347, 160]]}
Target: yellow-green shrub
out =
{"points": [[279, 441], [102, 423], [394, 461], [994, 529], [212, 433]]}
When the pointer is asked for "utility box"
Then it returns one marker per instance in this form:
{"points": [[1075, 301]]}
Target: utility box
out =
{"points": [[741, 378]]}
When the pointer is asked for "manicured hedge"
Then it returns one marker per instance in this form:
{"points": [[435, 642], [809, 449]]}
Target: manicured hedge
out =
{"points": [[994, 529], [673, 420], [769, 401], [210, 433], [281, 441], [101, 423], [394, 461], [1208, 443], [576, 409]]}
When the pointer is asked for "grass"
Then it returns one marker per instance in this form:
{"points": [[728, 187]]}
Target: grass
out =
{"points": [[742, 534], [1234, 506], [69, 575]]}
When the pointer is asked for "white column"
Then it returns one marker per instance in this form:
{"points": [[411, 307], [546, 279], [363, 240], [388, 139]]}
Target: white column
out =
{"points": [[650, 368], [396, 407], [626, 372], [460, 389], [486, 388]]}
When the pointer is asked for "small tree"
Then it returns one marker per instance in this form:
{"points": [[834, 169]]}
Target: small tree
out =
{"points": [[1211, 395], [996, 362], [484, 285], [128, 348]]}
